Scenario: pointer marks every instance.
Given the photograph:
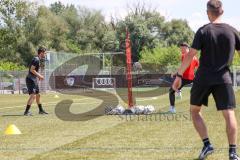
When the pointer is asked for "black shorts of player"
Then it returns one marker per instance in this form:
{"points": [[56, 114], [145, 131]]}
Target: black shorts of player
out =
{"points": [[32, 86], [223, 95]]}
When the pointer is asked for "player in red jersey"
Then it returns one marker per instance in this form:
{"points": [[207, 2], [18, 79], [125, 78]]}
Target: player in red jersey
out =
{"points": [[188, 76]]}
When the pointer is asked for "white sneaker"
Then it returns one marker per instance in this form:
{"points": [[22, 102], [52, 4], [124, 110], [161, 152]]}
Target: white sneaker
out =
{"points": [[172, 109], [179, 94]]}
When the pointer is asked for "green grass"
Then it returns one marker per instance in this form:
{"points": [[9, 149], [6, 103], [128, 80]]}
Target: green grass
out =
{"points": [[156, 137]]}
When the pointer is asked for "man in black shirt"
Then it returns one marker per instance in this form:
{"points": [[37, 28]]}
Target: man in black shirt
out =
{"points": [[217, 42], [32, 82]]}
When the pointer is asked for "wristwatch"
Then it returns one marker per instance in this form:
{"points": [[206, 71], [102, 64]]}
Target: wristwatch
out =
{"points": [[179, 75]]}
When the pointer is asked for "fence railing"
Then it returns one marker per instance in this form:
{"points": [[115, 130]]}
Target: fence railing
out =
{"points": [[14, 82]]}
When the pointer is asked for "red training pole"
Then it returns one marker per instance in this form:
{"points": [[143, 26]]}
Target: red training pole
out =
{"points": [[129, 69]]}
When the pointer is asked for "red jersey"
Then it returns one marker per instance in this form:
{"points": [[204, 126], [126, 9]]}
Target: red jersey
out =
{"points": [[189, 73]]}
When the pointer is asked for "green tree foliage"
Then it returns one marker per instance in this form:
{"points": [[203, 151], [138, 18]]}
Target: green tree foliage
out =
{"points": [[91, 32], [51, 30], [57, 8], [160, 58], [24, 26], [149, 29], [236, 59], [70, 15], [7, 49], [10, 66], [13, 17], [88, 31], [145, 26], [177, 31]]}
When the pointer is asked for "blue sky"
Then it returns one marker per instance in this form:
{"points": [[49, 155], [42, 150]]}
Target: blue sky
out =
{"points": [[194, 11]]}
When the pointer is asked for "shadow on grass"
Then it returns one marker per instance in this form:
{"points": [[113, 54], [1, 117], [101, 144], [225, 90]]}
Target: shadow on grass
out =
{"points": [[13, 115]]}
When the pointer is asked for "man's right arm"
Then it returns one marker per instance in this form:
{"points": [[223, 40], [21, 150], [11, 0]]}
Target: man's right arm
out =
{"points": [[33, 71]]}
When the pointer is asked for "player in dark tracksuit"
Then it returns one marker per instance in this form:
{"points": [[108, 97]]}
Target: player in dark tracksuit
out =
{"points": [[32, 82], [217, 42]]}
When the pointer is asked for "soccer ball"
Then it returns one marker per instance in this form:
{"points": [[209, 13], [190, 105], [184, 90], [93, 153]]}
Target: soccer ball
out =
{"points": [[148, 109], [120, 109], [116, 111], [138, 109]]}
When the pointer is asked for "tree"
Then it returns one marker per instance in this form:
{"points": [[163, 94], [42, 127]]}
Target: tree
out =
{"points": [[177, 31], [57, 8], [8, 42], [10, 66], [145, 26], [24, 26], [88, 31], [148, 29], [160, 58], [13, 17], [91, 31], [71, 18]]}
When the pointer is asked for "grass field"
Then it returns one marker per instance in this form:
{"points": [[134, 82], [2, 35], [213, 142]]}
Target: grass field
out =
{"points": [[156, 137]]}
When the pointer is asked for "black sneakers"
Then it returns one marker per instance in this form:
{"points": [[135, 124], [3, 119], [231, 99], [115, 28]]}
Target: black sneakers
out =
{"points": [[27, 113], [30, 114], [207, 150], [233, 156], [42, 112]]}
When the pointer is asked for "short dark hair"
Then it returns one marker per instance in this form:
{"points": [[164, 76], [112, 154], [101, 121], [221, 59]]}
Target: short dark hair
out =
{"points": [[41, 49], [215, 7], [184, 44]]}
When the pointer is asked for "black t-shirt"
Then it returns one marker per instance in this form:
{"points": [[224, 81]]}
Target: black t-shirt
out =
{"points": [[217, 43], [35, 62]]}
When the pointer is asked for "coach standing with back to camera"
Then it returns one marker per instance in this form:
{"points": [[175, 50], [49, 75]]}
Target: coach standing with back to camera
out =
{"points": [[217, 42]]}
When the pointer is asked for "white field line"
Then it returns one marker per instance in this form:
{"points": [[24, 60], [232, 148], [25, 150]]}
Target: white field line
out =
{"points": [[53, 103], [147, 99]]}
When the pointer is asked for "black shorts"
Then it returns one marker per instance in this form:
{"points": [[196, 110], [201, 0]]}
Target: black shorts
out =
{"points": [[32, 86], [223, 95]]}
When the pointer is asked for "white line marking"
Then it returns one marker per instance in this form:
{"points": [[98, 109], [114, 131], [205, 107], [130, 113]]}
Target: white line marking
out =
{"points": [[50, 103], [53, 103]]}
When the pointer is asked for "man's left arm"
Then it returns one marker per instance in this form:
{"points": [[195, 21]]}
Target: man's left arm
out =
{"points": [[185, 64]]}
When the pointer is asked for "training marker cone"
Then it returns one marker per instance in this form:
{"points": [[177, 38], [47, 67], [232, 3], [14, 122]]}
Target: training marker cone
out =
{"points": [[12, 130]]}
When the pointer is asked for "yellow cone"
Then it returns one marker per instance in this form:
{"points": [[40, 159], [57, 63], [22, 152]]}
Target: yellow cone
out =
{"points": [[56, 96], [12, 130]]}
